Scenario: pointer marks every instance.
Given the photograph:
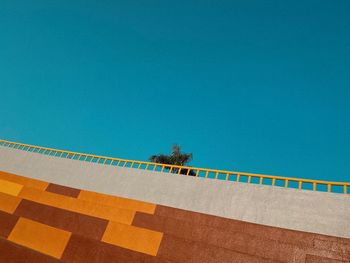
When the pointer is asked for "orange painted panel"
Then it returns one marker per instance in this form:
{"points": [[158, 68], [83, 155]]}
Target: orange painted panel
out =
{"points": [[80, 206], [29, 182], [43, 238], [9, 203], [134, 238], [10, 188], [117, 201]]}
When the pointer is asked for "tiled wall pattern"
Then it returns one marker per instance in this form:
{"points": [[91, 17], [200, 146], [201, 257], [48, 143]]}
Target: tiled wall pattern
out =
{"points": [[45, 222]]}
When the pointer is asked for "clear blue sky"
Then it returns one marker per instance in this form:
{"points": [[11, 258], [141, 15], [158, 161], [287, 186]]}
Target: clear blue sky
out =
{"points": [[255, 86]]}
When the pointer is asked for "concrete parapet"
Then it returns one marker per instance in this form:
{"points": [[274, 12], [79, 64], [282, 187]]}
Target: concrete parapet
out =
{"points": [[317, 212]]}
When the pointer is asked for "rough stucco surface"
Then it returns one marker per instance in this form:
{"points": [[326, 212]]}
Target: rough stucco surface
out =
{"points": [[324, 213]]}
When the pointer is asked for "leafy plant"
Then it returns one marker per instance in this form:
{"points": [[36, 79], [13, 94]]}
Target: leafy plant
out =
{"points": [[175, 158]]}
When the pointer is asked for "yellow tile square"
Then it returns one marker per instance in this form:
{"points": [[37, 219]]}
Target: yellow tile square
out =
{"points": [[43, 238], [134, 238], [10, 188], [9, 203]]}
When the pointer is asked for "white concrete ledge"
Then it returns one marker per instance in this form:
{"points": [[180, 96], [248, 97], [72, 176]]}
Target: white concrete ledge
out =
{"points": [[317, 212]]}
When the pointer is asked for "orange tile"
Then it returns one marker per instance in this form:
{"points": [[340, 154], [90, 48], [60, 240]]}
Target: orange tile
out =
{"points": [[80, 206], [117, 201], [134, 238], [9, 203], [29, 182], [10, 188], [43, 238]]}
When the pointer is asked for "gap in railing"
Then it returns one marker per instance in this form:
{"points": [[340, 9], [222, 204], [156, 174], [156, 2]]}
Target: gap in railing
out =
{"points": [[232, 177], [321, 187], [306, 186], [280, 182], [267, 181], [255, 180], [222, 176], [243, 179], [201, 174], [337, 189]]}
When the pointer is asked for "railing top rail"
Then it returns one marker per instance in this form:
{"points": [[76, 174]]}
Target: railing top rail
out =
{"points": [[198, 169]]}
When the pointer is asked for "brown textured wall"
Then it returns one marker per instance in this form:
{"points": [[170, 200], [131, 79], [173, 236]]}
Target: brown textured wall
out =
{"points": [[13, 253], [156, 234]]}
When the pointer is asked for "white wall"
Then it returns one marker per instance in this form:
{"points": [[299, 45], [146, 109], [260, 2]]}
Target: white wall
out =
{"points": [[325, 213]]}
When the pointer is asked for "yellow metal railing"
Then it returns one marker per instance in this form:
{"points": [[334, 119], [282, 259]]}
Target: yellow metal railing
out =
{"points": [[250, 178]]}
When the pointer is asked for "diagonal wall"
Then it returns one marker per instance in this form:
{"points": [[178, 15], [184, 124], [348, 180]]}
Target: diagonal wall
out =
{"points": [[324, 213]]}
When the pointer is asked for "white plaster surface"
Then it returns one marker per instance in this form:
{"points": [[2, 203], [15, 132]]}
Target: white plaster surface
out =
{"points": [[324, 213]]}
